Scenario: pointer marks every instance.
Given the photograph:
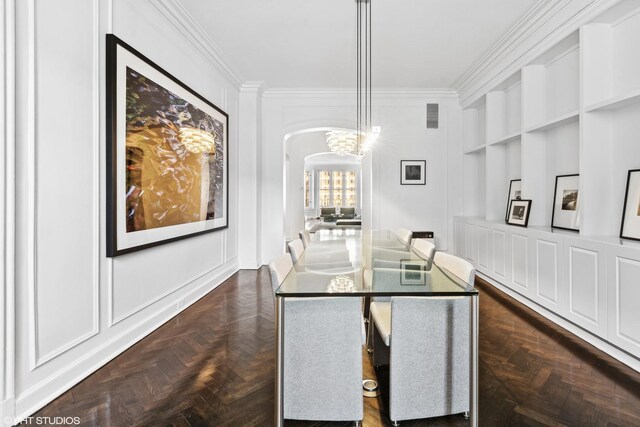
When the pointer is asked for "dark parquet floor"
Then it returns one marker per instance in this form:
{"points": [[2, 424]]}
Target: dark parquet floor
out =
{"points": [[213, 365]]}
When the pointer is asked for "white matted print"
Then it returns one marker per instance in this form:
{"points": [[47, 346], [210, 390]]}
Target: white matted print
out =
{"points": [[413, 172], [630, 228], [566, 203], [519, 212]]}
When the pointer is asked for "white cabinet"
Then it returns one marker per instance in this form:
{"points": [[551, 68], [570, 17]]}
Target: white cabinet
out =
{"points": [[623, 297], [471, 251], [586, 281], [546, 272], [458, 237]]}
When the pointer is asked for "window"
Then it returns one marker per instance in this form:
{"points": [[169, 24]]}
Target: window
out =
{"points": [[335, 188], [308, 189]]}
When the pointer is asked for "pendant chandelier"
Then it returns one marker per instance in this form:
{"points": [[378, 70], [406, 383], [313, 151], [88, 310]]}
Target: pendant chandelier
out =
{"points": [[359, 142]]}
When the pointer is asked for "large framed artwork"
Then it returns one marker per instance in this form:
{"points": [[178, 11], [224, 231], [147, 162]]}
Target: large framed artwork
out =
{"points": [[413, 172], [630, 228], [167, 156], [566, 203], [515, 193]]}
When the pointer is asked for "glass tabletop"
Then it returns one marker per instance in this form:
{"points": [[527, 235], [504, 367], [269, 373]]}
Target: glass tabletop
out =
{"points": [[367, 263]]}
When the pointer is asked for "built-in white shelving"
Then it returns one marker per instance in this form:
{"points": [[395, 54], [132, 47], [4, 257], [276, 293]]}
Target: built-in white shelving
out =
{"points": [[571, 110]]}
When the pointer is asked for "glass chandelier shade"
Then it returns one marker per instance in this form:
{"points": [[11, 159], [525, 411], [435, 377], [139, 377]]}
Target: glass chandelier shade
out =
{"points": [[342, 142], [197, 140]]}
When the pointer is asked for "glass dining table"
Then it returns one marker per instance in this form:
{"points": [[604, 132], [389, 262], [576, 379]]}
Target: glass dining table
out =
{"points": [[335, 264]]}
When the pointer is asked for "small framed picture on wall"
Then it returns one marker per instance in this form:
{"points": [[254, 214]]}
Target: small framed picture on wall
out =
{"points": [[565, 203], [515, 193], [519, 212], [630, 228], [413, 172]]}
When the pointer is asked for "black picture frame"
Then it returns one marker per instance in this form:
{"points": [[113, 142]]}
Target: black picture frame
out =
{"points": [[631, 205], [121, 61], [523, 221], [413, 172], [561, 217], [511, 195]]}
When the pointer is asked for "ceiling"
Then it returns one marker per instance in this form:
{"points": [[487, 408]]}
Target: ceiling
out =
{"points": [[311, 44]]}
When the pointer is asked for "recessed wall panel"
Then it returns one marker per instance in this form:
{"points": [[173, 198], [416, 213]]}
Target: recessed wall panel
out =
{"points": [[470, 242], [483, 248], [65, 177]]}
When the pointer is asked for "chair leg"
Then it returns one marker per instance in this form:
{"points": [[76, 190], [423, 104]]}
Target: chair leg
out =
{"points": [[370, 327], [357, 423], [395, 423], [466, 415]]}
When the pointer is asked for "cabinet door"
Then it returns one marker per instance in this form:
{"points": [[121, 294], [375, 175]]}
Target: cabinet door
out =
{"points": [[546, 275], [623, 295], [500, 255], [458, 237], [484, 249], [584, 263], [470, 243], [519, 256]]}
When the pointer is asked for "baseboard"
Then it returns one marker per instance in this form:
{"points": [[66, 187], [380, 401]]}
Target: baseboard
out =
{"points": [[595, 341], [7, 411], [39, 395]]}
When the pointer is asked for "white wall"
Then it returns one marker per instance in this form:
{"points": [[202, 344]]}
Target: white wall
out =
{"points": [[402, 116], [75, 308]]}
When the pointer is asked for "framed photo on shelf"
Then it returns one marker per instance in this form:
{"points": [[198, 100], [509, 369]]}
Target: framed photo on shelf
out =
{"points": [[519, 212], [630, 228], [565, 203], [413, 172], [515, 193], [413, 272], [167, 155]]}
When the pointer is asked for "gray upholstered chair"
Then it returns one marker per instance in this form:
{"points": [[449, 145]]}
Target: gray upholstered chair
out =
{"points": [[417, 386], [404, 235], [347, 213], [305, 236], [322, 354], [296, 248]]}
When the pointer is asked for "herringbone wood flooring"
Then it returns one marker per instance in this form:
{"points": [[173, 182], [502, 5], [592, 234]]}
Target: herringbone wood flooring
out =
{"points": [[213, 365]]}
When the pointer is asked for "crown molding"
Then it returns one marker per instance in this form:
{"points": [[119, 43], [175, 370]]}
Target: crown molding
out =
{"points": [[548, 22], [253, 87], [178, 17], [341, 92]]}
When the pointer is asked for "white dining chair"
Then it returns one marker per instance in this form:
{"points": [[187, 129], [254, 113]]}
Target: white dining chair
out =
{"points": [[305, 236], [426, 249], [322, 354], [404, 236], [296, 248], [456, 265]]}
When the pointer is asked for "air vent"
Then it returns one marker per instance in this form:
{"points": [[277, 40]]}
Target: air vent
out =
{"points": [[432, 116]]}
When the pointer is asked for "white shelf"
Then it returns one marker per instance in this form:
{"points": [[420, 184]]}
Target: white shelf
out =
{"points": [[616, 102], [506, 139], [564, 119], [475, 149]]}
